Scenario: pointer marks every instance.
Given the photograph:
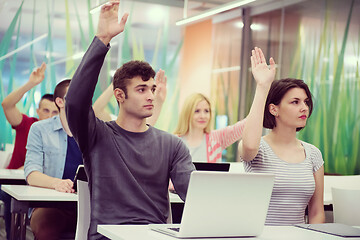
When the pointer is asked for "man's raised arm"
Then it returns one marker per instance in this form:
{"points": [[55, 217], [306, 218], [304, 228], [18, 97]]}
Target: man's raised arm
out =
{"points": [[78, 101], [12, 113]]}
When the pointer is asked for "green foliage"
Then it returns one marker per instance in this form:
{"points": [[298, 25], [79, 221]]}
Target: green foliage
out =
{"points": [[334, 126], [6, 134]]}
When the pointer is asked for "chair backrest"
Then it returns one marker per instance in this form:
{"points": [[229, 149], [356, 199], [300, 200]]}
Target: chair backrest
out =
{"points": [[84, 210], [83, 205], [348, 182], [346, 206], [169, 219], [5, 156]]}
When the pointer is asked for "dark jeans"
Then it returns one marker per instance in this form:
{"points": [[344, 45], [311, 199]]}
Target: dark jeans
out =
{"points": [[51, 223]]}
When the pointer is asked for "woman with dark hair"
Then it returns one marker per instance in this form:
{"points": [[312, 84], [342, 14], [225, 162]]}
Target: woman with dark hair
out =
{"points": [[283, 106]]}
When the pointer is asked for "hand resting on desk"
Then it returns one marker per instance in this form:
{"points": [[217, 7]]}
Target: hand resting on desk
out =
{"points": [[64, 185], [39, 179]]}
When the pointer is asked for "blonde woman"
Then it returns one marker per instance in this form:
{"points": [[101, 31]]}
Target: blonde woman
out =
{"points": [[194, 127]]}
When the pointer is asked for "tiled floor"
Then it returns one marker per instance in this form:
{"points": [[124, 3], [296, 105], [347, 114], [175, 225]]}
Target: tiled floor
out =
{"points": [[29, 235]]}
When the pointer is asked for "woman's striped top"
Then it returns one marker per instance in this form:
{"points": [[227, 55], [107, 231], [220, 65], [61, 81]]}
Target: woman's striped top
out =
{"points": [[294, 182]]}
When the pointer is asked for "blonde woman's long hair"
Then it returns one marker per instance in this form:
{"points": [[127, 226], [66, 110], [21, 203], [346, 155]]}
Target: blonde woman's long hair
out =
{"points": [[187, 113]]}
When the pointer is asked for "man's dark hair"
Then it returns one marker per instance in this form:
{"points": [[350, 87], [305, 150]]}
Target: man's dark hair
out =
{"points": [[130, 70], [60, 90], [47, 96], [277, 91]]}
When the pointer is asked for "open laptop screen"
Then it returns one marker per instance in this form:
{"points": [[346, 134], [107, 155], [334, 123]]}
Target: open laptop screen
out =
{"points": [[204, 166]]}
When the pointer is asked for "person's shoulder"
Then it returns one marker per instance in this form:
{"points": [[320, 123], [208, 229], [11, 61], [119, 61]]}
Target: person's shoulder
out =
{"points": [[25, 123], [29, 119], [309, 145], [314, 151], [46, 123]]}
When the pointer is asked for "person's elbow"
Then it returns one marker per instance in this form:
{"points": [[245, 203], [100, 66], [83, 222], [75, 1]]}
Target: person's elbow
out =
{"points": [[5, 104], [317, 216], [30, 170], [247, 152], [30, 178]]}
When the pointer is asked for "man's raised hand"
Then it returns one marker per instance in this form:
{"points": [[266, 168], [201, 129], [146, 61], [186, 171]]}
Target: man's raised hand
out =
{"points": [[38, 75], [108, 26], [161, 91]]}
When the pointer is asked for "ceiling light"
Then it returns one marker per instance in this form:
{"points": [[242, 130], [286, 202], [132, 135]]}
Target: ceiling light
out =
{"points": [[97, 9], [156, 14], [213, 11], [239, 24], [73, 57], [256, 27], [23, 46]]}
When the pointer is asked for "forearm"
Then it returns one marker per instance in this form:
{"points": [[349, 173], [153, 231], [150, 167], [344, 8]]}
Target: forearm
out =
{"points": [[316, 203], [79, 111], [319, 217], [254, 124], [84, 81], [230, 134], [157, 110], [39, 179], [102, 101], [14, 97]]}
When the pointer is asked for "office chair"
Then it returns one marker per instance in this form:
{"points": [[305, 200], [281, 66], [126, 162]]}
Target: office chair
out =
{"points": [[346, 206], [83, 216]]}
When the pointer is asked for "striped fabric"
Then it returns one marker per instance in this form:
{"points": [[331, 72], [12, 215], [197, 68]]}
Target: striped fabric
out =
{"points": [[294, 182], [218, 140]]}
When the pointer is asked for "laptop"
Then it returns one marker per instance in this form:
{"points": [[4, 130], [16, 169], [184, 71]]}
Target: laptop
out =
{"points": [[238, 203], [205, 166], [337, 229]]}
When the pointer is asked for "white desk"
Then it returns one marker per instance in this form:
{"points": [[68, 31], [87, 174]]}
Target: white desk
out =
{"points": [[136, 232], [174, 198], [24, 197], [237, 167], [12, 176]]}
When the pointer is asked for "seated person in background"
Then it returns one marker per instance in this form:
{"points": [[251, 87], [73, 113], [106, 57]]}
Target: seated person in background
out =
{"points": [[19, 121], [22, 123], [283, 106], [128, 163], [160, 96], [194, 128], [52, 159]]}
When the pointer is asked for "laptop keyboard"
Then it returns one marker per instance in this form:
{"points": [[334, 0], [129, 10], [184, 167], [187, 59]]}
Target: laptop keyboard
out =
{"points": [[175, 229]]}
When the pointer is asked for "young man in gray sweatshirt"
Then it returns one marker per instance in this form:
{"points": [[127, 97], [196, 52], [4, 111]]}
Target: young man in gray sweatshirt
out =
{"points": [[128, 162]]}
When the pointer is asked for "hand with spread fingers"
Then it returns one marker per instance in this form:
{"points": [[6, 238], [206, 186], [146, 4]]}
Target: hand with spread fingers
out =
{"points": [[161, 91], [38, 75], [108, 26], [260, 70]]}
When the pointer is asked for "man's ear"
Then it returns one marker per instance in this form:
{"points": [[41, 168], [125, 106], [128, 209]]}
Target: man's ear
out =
{"points": [[273, 109], [59, 102], [119, 95]]}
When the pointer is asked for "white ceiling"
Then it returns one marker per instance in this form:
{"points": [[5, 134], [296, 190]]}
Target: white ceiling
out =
{"points": [[57, 11], [145, 23]]}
